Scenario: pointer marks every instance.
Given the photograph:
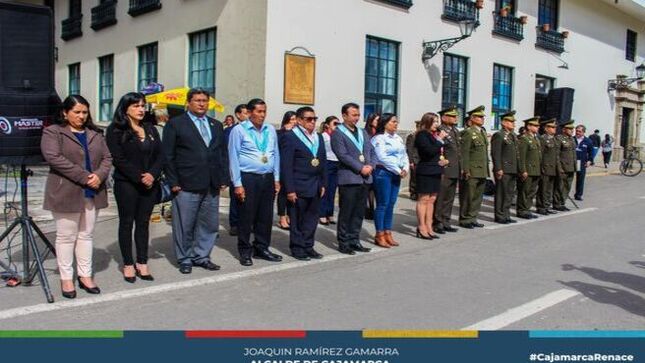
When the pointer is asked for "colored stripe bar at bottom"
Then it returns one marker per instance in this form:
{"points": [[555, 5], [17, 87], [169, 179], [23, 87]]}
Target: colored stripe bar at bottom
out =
{"points": [[85, 334], [587, 334], [288, 334], [420, 334]]}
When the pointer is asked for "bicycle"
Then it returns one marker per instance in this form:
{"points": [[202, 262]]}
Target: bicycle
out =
{"points": [[631, 165]]}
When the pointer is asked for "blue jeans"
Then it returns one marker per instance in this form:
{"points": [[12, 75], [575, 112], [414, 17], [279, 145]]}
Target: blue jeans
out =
{"points": [[386, 190], [327, 202]]}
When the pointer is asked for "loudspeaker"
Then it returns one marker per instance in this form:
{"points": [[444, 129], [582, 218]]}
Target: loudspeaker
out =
{"points": [[559, 104], [28, 99]]}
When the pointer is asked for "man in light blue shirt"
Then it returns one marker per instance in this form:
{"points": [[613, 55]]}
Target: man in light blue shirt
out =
{"points": [[255, 172]]}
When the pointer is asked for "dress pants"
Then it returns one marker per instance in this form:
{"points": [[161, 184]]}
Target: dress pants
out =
{"points": [[195, 225], [580, 182], [445, 200], [135, 204], [256, 213], [474, 194], [304, 221], [544, 199], [328, 200], [527, 192], [281, 202], [504, 194], [74, 235], [351, 213], [234, 207], [562, 189]]}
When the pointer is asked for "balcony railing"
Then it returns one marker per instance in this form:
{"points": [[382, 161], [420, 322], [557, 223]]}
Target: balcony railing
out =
{"points": [[104, 15], [138, 7], [72, 27], [508, 26], [550, 40], [458, 10]]}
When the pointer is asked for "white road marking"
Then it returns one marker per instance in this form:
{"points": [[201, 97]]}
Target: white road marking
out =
{"points": [[172, 286], [643, 197], [541, 218], [523, 311]]}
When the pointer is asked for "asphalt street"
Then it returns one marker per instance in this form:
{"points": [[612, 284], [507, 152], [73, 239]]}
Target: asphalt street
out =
{"points": [[578, 270]]}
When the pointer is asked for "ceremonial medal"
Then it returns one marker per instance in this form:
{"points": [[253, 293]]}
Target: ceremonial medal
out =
{"points": [[315, 162], [264, 159], [361, 158], [442, 157]]}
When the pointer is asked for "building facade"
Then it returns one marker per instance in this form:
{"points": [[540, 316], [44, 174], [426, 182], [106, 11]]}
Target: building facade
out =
{"points": [[366, 51]]}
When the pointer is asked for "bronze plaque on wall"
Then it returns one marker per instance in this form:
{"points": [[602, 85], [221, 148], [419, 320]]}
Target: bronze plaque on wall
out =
{"points": [[299, 79]]}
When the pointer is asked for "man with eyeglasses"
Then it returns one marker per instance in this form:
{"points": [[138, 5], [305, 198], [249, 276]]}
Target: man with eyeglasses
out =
{"points": [[302, 162], [255, 171], [357, 160]]}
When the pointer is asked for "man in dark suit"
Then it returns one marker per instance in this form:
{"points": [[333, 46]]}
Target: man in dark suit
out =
{"points": [[357, 161], [584, 156], [302, 162], [196, 169]]}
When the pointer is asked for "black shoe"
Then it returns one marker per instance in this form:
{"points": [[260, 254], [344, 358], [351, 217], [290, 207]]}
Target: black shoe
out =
{"points": [[314, 254], [467, 225], [325, 223], [232, 231], [302, 257], [359, 248], [422, 236], [208, 265], [533, 216], [551, 211], [440, 230], [246, 261], [501, 221], [477, 225], [331, 221], [90, 290], [561, 209], [346, 250], [578, 198], [450, 229], [185, 269], [542, 212], [511, 221], [130, 279], [267, 255], [147, 277], [69, 294], [525, 216]]}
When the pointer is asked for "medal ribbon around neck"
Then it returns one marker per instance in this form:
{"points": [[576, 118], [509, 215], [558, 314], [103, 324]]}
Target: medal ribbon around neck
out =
{"points": [[262, 144], [358, 143], [311, 145]]}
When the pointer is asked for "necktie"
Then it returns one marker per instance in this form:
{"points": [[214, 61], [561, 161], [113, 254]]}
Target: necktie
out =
{"points": [[203, 124]]}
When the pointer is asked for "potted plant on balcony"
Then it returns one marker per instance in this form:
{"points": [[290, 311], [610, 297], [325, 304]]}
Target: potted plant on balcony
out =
{"points": [[546, 27], [524, 19], [479, 4], [504, 11], [565, 34]]}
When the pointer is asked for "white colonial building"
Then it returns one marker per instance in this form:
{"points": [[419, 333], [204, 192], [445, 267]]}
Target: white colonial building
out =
{"points": [[366, 51]]}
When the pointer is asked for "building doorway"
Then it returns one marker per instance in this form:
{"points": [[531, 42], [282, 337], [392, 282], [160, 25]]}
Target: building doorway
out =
{"points": [[625, 129]]}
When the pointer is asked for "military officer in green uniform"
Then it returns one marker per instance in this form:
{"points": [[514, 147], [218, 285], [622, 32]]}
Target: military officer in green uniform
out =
{"points": [[567, 148], [504, 153], [474, 166], [451, 172], [529, 168], [550, 167]]}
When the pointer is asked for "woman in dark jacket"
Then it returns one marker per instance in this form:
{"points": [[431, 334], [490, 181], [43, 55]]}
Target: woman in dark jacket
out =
{"points": [[138, 160], [288, 122], [79, 164], [429, 144]]}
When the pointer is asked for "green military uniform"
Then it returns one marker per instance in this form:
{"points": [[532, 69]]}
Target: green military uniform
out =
{"points": [[504, 153], [413, 156], [567, 147], [550, 167], [474, 165], [530, 161], [451, 174]]}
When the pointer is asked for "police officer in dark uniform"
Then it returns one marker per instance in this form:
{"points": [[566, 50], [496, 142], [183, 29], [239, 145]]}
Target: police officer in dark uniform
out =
{"points": [[474, 165], [451, 172], [550, 166], [564, 180], [529, 168], [504, 153]]}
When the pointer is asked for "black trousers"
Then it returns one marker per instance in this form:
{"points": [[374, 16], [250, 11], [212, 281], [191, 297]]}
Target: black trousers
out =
{"points": [[135, 204], [282, 203], [352, 199], [234, 207], [304, 221], [256, 213], [580, 182]]}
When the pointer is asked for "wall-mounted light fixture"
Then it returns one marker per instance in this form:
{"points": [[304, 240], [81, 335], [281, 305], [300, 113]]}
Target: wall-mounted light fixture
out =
{"points": [[623, 81], [432, 48]]}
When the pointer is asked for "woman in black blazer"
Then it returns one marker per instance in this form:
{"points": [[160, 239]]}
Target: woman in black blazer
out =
{"points": [[138, 160], [429, 144], [288, 123]]}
